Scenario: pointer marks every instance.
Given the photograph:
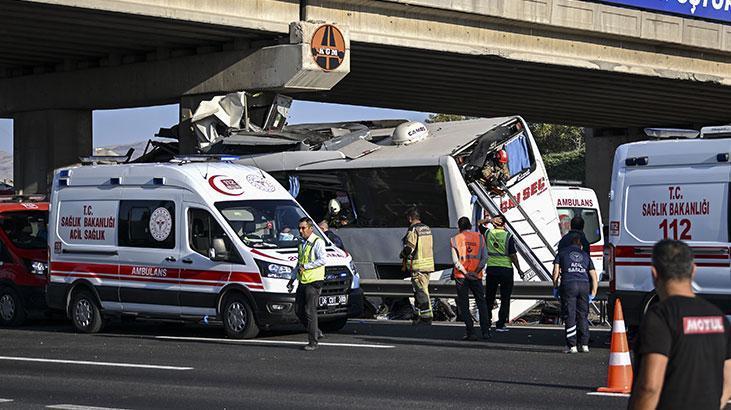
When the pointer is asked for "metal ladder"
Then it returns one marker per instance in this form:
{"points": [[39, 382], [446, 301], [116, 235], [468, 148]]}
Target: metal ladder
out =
{"points": [[537, 252]]}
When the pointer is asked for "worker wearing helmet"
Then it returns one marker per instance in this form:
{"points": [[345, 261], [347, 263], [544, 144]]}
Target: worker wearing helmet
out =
{"points": [[501, 256], [469, 256], [418, 258]]}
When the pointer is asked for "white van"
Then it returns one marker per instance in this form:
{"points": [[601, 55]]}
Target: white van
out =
{"points": [[575, 200], [675, 189], [184, 240]]}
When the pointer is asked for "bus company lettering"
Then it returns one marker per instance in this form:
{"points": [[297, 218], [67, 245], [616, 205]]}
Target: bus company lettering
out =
{"points": [[575, 203], [702, 325], [149, 271], [536, 188]]}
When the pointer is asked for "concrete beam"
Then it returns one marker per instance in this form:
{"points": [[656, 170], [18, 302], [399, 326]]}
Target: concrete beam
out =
{"points": [[287, 67], [46, 140]]}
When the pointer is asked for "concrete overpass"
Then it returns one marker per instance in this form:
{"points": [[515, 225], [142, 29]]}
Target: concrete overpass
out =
{"points": [[560, 61]]}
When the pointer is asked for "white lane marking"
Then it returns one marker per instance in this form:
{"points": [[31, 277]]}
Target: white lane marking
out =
{"points": [[76, 407], [274, 342], [6, 400], [87, 363], [597, 393], [461, 324]]}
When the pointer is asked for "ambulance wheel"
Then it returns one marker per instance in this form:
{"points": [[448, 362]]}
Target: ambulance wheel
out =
{"points": [[12, 309], [85, 312], [238, 318], [333, 325]]}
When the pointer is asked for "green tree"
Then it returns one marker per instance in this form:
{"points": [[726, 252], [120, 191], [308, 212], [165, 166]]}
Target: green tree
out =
{"points": [[446, 118], [552, 138]]}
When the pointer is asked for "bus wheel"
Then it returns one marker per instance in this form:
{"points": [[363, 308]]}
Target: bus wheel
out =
{"points": [[238, 318], [333, 325], [12, 310], [85, 312]]}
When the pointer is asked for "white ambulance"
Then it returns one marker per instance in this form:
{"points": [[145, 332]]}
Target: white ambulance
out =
{"points": [[573, 200], [192, 240], [676, 189]]}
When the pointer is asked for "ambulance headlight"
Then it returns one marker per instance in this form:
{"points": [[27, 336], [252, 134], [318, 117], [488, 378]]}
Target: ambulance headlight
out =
{"points": [[39, 268], [356, 277], [276, 271]]}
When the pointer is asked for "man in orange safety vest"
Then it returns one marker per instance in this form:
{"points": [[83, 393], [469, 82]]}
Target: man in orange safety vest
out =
{"points": [[469, 255]]}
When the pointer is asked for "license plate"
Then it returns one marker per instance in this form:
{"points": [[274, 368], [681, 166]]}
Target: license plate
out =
{"points": [[335, 300]]}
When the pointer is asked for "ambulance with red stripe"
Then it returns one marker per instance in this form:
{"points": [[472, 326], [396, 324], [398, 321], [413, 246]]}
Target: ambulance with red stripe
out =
{"points": [[573, 200], [193, 239], [677, 189]]}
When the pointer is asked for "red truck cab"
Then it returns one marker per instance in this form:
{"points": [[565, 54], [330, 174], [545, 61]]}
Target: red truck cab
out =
{"points": [[23, 259]]}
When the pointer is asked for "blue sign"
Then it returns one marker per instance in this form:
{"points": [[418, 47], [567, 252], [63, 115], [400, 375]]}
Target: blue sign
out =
{"points": [[707, 9]]}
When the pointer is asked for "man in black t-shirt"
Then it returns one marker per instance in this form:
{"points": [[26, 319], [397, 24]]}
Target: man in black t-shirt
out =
{"points": [[577, 228], [683, 352]]}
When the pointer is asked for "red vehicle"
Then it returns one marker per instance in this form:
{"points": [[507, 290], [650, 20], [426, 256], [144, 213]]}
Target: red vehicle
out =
{"points": [[23, 259]]}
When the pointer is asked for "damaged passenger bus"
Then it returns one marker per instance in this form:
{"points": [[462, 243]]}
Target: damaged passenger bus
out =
{"points": [[367, 174]]}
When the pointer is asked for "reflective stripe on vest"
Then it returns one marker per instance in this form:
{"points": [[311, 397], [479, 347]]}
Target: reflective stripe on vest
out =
{"points": [[468, 245], [422, 258], [497, 248], [304, 254]]}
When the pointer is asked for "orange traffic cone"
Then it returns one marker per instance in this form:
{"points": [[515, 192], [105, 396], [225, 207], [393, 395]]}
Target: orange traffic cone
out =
{"points": [[619, 379]]}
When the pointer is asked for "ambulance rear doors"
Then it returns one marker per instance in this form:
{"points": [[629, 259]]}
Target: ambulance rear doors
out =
{"points": [[671, 189], [574, 201]]}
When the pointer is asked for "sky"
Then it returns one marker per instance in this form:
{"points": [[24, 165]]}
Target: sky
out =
{"points": [[120, 127]]}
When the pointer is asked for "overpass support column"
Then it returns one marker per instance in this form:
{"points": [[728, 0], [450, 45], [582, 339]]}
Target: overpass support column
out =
{"points": [[46, 140], [600, 147]]}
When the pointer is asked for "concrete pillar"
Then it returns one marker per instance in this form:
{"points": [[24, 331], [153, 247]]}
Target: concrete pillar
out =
{"points": [[600, 147], [46, 140]]}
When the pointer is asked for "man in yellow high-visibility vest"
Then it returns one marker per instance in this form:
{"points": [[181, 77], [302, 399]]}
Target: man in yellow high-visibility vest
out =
{"points": [[310, 272], [418, 257], [501, 256]]}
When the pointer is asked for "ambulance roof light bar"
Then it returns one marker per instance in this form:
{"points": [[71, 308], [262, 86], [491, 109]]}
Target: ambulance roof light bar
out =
{"points": [[182, 159], [113, 159], [721, 131], [669, 133]]}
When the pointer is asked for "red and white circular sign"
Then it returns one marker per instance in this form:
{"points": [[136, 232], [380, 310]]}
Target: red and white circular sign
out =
{"points": [[225, 185]]}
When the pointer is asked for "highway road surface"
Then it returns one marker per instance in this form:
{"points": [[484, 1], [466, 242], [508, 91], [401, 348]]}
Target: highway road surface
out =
{"points": [[369, 364]]}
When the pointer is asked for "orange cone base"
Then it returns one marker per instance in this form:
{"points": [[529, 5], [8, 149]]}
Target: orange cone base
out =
{"points": [[614, 390]]}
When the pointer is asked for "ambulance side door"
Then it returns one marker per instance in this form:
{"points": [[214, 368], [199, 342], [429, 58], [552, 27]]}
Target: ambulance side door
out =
{"points": [[206, 265], [149, 254]]}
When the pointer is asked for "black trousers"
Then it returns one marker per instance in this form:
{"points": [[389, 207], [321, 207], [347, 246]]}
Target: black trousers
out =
{"points": [[464, 287], [305, 307], [502, 277], [575, 311]]}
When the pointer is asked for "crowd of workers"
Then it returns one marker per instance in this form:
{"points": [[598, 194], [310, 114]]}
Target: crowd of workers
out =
{"points": [[683, 351]]}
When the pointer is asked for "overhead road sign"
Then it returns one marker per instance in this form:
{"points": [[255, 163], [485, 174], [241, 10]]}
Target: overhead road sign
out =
{"points": [[719, 10]]}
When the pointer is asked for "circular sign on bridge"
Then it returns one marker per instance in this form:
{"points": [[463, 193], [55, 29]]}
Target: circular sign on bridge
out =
{"points": [[328, 47]]}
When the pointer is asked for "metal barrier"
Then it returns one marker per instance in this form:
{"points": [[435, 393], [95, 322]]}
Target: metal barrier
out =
{"points": [[521, 290]]}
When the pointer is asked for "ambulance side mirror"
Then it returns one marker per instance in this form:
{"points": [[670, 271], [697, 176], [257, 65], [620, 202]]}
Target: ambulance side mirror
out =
{"points": [[218, 252]]}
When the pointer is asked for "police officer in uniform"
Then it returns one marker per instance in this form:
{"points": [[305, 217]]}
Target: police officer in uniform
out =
{"points": [[501, 256], [575, 270], [469, 256], [310, 272], [418, 258]]}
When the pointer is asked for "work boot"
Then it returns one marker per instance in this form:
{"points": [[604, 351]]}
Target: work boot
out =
{"points": [[487, 334], [570, 350], [320, 335], [469, 337], [310, 347]]}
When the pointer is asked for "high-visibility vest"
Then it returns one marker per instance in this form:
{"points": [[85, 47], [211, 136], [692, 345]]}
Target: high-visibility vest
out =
{"points": [[422, 259], [497, 248], [304, 254], [468, 245]]}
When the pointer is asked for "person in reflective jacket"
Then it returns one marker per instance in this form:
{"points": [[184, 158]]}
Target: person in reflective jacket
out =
{"points": [[310, 272], [418, 258], [469, 256]]}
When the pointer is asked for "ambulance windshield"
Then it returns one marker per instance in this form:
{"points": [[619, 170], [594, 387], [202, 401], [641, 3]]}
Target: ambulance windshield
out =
{"points": [[264, 223]]}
